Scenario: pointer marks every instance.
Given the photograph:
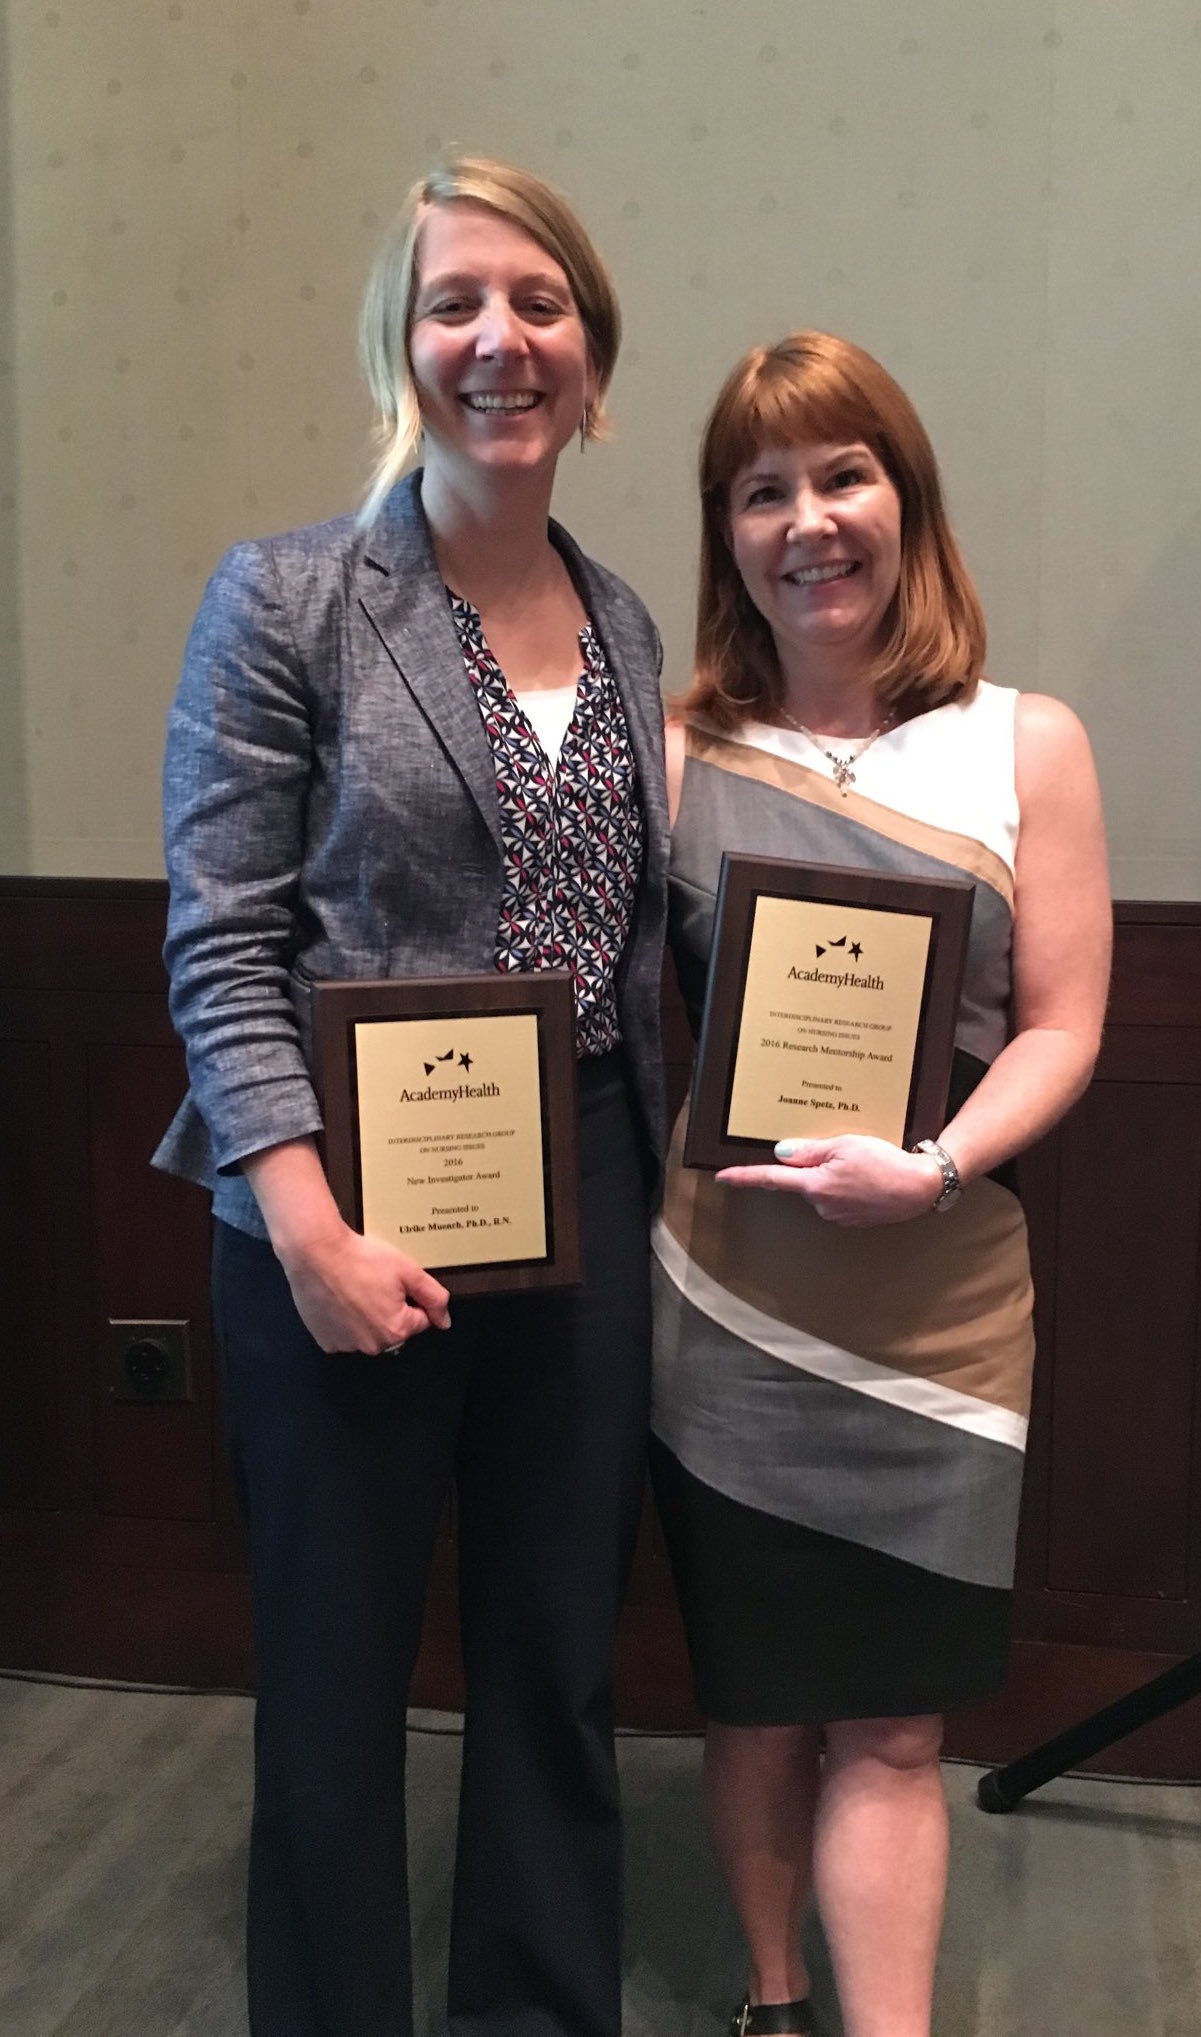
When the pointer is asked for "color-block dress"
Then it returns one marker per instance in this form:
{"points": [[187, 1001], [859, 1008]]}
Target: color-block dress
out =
{"points": [[840, 1414]]}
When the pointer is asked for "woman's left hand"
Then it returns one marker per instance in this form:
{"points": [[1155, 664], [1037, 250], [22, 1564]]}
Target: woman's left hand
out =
{"points": [[850, 1179]]}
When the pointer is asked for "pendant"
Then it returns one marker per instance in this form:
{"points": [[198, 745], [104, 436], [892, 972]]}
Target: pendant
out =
{"points": [[843, 774]]}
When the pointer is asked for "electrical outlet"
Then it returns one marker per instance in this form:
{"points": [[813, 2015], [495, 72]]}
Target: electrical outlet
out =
{"points": [[149, 1361]]}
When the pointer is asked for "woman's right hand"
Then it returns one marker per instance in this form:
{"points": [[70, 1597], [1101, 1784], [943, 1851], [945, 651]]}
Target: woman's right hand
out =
{"points": [[360, 1294], [352, 1293]]}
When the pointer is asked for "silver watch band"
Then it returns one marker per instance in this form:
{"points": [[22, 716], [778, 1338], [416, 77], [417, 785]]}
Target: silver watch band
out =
{"points": [[952, 1187]]}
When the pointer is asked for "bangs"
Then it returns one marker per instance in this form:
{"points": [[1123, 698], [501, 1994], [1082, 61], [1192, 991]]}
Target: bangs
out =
{"points": [[784, 398]]}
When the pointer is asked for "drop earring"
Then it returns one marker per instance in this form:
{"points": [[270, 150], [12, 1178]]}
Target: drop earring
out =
{"points": [[585, 421]]}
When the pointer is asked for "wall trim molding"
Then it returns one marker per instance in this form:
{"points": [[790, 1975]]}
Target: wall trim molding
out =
{"points": [[121, 1551]]}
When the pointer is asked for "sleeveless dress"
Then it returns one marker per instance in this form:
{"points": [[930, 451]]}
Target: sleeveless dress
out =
{"points": [[839, 1415]]}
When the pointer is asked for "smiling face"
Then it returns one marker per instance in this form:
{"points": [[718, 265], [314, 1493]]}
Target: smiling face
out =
{"points": [[815, 530], [498, 351]]}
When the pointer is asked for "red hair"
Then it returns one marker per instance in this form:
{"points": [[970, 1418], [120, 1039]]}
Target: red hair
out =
{"points": [[812, 387]]}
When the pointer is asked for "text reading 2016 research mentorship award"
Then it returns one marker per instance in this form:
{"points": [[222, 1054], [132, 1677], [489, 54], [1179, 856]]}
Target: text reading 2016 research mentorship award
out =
{"points": [[831, 1006], [450, 1122]]}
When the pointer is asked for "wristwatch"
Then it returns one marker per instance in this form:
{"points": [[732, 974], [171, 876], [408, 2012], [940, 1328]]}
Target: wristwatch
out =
{"points": [[952, 1187]]}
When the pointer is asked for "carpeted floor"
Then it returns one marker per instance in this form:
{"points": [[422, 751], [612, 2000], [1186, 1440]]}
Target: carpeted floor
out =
{"points": [[122, 1830]]}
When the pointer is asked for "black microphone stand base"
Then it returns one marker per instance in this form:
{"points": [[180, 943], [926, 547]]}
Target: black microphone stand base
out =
{"points": [[1003, 1788]]}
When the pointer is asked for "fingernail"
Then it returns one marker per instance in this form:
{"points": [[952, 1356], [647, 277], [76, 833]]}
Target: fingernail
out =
{"points": [[785, 1148]]}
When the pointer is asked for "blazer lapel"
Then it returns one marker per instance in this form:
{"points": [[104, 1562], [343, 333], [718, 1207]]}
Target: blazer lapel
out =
{"points": [[403, 594], [625, 649]]}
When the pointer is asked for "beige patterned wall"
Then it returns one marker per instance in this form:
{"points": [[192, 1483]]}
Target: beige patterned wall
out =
{"points": [[1003, 201]]}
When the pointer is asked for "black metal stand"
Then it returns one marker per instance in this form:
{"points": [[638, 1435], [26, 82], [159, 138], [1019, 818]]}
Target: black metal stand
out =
{"points": [[1002, 1788]]}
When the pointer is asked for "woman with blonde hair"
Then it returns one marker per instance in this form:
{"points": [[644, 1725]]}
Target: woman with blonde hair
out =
{"points": [[427, 740], [843, 1338]]}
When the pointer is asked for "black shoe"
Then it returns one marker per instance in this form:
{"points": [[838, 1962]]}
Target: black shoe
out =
{"points": [[772, 2019]]}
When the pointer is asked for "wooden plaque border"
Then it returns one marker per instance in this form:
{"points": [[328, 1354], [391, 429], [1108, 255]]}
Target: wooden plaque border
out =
{"points": [[947, 902], [545, 994]]}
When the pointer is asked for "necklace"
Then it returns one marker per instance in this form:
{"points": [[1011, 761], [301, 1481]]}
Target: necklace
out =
{"points": [[844, 774]]}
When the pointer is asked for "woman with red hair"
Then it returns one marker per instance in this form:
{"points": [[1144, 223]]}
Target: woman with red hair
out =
{"points": [[843, 1340]]}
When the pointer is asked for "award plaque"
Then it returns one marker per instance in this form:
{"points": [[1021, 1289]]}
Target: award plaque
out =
{"points": [[450, 1122], [830, 1007]]}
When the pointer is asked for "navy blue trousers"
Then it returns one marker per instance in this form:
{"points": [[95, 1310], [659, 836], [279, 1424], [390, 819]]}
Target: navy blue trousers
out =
{"points": [[536, 1407]]}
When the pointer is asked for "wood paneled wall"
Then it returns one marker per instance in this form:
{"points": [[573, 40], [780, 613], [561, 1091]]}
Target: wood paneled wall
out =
{"points": [[120, 1549]]}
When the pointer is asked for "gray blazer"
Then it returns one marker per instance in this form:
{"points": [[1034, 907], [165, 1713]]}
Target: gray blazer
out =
{"points": [[330, 811]]}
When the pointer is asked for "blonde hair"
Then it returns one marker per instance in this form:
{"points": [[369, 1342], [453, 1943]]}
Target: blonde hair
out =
{"points": [[815, 387], [387, 313]]}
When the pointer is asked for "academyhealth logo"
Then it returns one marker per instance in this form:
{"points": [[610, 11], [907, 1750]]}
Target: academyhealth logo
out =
{"points": [[454, 1087], [464, 1061], [854, 950], [849, 952]]}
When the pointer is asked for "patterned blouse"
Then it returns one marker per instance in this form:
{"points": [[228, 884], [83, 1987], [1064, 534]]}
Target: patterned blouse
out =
{"points": [[573, 833]]}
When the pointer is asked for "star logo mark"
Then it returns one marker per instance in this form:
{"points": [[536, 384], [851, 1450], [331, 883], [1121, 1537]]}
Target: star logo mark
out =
{"points": [[430, 1065]]}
